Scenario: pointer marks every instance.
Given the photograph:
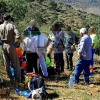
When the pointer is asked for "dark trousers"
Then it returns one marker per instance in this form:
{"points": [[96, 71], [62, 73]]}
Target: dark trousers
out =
{"points": [[31, 62], [59, 61], [69, 57]]}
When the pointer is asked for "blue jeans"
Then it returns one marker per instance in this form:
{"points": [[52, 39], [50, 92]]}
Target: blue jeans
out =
{"points": [[92, 60], [82, 65]]}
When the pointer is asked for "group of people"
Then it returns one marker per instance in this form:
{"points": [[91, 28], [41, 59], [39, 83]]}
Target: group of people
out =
{"points": [[36, 47]]}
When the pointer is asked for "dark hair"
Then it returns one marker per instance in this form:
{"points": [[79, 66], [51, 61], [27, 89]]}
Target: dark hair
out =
{"points": [[6, 16], [68, 28], [56, 25], [12, 19]]}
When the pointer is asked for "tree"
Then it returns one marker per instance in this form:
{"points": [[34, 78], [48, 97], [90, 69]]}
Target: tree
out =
{"points": [[60, 22], [17, 8], [52, 4], [3, 8]]}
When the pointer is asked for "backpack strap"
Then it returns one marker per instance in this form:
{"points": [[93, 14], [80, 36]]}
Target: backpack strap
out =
{"points": [[31, 43]]}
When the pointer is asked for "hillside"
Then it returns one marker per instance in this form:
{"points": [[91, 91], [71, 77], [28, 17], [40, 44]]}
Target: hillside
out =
{"points": [[46, 12], [90, 6]]}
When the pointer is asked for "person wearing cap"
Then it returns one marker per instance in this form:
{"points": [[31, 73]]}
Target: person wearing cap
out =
{"points": [[70, 47], [84, 56], [58, 46], [94, 39], [8, 33]]}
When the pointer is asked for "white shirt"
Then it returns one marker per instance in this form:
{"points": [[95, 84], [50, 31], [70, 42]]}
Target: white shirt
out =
{"points": [[29, 44], [41, 40], [32, 43]]}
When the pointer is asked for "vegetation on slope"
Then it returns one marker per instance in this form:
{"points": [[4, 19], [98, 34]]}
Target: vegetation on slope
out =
{"points": [[46, 12]]}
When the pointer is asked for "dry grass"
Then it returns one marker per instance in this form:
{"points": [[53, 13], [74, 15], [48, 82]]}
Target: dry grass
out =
{"points": [[57, 86]]}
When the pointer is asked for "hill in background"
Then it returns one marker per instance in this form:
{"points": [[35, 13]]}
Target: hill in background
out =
{"points": [[46, 12], [90, 6]]}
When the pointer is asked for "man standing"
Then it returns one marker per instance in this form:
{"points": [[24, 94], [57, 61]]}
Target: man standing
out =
{"points": [[70, 47], [42, 43], [8, 33], [29, 48], [84, 54], [94, 39], [58, 45]]}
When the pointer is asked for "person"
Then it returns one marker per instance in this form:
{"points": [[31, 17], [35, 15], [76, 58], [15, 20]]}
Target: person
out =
{"points": [[8, 33], [84, 56], [70, 47], [51, 38], [42, 43], [31, 27], [94, 39], [29, 48], [58, 45]]}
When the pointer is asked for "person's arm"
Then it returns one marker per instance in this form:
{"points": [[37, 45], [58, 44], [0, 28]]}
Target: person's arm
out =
{"points": [[17, 34], [48, 42], [24, 47], [81, 48], [92, 45], [74, 42]]}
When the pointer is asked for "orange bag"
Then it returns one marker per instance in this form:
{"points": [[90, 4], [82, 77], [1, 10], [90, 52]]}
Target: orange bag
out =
{"points": [[23, 65], [19, 52]]}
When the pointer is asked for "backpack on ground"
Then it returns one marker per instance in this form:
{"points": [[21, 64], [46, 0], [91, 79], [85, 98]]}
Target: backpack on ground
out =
{"points": [[37, 88]]}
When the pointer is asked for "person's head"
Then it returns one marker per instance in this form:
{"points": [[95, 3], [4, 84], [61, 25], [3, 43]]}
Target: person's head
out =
{"points": [[7, 17], [83, 31], [32, 23], [91, 30], [55, 28], [68, 28], [12, 20]]}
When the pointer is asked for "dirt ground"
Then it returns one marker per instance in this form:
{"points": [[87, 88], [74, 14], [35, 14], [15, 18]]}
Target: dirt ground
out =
{"points": [[57, 86]]}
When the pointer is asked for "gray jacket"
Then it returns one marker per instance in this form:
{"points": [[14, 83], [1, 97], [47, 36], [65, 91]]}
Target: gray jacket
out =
{"points": [[69, 41]]}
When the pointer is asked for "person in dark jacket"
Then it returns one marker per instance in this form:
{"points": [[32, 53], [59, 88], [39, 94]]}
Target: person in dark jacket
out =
{"points": [[70, 47], [58, 45]]}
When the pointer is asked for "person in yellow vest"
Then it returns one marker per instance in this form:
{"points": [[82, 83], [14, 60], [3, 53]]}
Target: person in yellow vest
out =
{"points": [[94, 39]]}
